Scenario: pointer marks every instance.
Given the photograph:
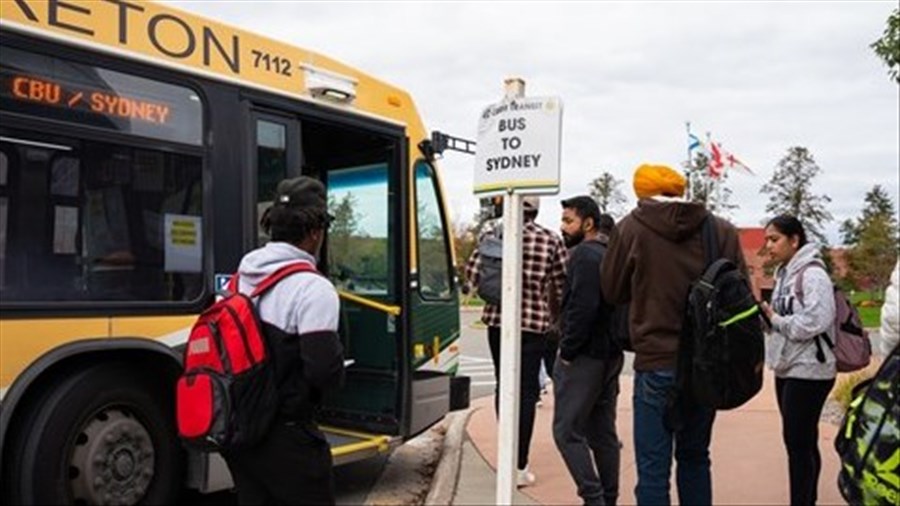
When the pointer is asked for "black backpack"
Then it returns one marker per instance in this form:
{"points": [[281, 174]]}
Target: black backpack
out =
{"points": [[722, 347], [868, 441], [490, 282]]}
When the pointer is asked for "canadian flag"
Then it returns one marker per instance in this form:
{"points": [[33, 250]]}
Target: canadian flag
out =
{"points": [[716, 165], [731, 162]]}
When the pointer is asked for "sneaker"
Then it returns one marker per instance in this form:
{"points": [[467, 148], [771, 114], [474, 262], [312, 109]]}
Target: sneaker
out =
{"points": [[524, 478]]}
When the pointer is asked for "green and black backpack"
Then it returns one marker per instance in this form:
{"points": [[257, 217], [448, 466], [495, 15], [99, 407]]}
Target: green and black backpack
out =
{"points": [[869, 439]]}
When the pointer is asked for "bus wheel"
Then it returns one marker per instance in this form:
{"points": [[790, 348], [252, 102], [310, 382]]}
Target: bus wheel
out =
{"points": [[103, 435]]}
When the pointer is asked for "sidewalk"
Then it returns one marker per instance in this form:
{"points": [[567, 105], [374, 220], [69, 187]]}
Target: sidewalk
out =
{"points": [[749, 462]]}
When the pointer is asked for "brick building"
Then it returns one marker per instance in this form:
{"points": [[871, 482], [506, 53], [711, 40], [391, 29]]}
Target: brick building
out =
{"points": [[753, 239]]}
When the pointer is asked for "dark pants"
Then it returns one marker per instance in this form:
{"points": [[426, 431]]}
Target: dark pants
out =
{"points": [[291, 466], [800, 402], [530, 386], [551, 346], [653, 443], [584, 425]]}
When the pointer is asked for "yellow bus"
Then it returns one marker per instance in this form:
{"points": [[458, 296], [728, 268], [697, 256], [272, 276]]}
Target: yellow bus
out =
{"points": [[138, 145]]}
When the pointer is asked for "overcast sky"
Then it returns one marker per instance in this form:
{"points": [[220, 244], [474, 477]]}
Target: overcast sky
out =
{"points": [[760, 76]]}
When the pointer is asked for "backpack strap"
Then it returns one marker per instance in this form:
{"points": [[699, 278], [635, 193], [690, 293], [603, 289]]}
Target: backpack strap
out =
{"points": [[710, 239], [820, 354], [232, 286], [283, 272], [799, 282], [678, 398]]}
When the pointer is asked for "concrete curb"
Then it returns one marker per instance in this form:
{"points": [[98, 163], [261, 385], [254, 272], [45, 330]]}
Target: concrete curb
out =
{"points": [[446, 477], [407, 475]]}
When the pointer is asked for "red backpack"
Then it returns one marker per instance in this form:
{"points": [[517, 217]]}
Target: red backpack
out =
{"points": [[852, 348], [227, 396]]}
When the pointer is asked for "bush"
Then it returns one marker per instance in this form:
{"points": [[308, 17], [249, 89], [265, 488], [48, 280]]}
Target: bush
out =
{"points": [[843, 387]]}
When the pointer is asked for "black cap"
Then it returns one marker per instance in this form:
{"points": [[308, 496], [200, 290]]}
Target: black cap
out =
{"points": [[301, 192]]}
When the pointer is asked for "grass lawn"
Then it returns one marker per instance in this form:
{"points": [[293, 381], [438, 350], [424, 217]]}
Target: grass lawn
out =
{"points": [[473, 301], [871, 316]]}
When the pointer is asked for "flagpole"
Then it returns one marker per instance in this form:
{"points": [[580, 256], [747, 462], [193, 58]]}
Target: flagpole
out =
{"points": [[708, 183], [689, 166]]}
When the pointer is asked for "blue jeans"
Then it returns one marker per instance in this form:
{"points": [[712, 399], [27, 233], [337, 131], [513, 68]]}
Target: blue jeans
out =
{"points": [[653, 444]]}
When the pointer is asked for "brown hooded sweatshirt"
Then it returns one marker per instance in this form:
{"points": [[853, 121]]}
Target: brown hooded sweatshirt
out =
{"points": [[654, 254]]}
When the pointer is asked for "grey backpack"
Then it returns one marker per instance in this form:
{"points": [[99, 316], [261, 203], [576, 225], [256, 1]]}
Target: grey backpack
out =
{"points": [[490, 283]]}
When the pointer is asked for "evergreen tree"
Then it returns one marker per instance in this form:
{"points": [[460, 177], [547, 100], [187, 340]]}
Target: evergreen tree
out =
{"points": [[790, 192], [342, 257], [607, 191], [878, 204], [888, 46], [872, 259]]}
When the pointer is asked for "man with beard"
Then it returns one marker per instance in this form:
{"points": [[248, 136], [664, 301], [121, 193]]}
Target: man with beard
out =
{"points": [[586, 375]]}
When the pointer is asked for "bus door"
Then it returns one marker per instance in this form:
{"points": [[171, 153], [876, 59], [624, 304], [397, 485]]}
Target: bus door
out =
{"points": [[434, 304], [361, 256]]}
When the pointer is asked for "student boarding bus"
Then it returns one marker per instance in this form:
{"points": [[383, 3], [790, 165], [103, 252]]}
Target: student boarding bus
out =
{"points": [[139, 145]]}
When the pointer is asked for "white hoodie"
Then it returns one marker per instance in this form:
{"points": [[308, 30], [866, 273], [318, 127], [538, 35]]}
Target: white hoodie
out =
{"points": [[299, 304], [890, 313], [792, 346]]}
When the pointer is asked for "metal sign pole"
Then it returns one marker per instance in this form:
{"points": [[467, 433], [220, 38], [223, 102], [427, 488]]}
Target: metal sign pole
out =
{"points": [[510, 335]]}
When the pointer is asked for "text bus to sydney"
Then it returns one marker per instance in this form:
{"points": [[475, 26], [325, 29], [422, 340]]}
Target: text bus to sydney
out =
{"points": [[138, 146]]}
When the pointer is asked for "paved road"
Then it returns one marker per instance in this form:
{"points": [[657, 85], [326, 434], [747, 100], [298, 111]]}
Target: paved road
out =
{"points": [[352, 484], [475, 358]]}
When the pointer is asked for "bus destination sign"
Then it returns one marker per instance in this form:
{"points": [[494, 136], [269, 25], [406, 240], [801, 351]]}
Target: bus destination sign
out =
{"points": [[57, 94]]}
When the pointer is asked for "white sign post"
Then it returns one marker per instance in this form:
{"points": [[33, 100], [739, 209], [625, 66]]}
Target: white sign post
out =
{"points": [[518, 152]]}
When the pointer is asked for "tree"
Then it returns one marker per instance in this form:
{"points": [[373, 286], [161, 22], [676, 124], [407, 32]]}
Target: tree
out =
{"points": [[849, 232], [465, 235], [790, 192], [872, 259], [346, 219], [888, 46], [873, 238], [607, 191], [878, 203], [341, 253], [700, 191]]}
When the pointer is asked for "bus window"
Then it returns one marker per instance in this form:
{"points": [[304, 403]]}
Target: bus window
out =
{"points": [[86, 220], [271, 163], [434, 261], [358, 256]]}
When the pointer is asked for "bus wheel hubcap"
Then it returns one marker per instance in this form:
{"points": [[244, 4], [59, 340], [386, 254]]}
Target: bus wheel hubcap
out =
{"points": [[112, 461]]}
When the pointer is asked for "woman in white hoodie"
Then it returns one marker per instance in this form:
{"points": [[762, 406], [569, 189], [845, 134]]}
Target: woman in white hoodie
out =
{"points": [[803, 363]]}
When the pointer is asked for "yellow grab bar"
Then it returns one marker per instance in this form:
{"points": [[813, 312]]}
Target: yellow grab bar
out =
{"points": [[385, 308]]}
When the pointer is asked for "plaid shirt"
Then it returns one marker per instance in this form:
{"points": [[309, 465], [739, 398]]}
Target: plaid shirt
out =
{"points": [[544, 260]]}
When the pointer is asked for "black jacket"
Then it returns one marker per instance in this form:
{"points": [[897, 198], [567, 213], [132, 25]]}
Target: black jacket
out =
{"points": [[586, 317]]}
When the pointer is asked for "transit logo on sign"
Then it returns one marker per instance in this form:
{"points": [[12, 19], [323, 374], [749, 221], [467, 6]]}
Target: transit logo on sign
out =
{"points": [[519, 146]]}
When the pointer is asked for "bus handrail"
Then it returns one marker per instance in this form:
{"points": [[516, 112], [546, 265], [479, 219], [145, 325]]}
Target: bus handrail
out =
{"points": [[385, 308], [378, 442]]}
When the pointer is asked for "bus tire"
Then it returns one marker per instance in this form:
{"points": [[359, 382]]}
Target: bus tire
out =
{"points": [[101, 435]]}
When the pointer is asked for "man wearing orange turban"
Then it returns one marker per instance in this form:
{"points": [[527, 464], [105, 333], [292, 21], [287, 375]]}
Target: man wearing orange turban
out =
{"points": [[653, 256]]}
